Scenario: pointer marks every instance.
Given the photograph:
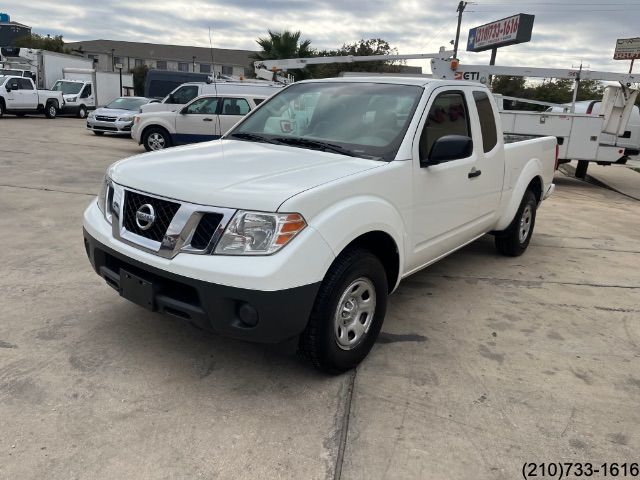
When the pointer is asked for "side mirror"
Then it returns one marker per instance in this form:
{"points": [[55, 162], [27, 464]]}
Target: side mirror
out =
{"points": [[8, 88], [447, 149], [183, 111], [171, 98]]}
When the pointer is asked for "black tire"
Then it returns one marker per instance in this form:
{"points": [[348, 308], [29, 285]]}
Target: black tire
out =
{"points": [[320, 340], [82, 112], [20, 115], [156, 138], [95, 132], [51, 110], [1, 109], [513, 241]]}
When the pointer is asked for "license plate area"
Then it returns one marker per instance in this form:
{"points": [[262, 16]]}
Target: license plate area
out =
{"points": [[137, 289]]}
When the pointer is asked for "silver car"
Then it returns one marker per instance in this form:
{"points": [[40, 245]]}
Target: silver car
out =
{"points": [[117, 116]]}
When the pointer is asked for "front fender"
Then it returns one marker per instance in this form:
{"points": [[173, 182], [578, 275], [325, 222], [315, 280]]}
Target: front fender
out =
{"points": [[343, 222], [512, 198]]}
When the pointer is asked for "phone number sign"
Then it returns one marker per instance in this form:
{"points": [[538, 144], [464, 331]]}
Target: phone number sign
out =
{"points": [[507, 31], [627, 49]]}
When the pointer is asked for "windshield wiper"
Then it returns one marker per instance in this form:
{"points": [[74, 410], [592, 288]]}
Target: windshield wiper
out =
{"points": [[252, 137], [315, 145]]}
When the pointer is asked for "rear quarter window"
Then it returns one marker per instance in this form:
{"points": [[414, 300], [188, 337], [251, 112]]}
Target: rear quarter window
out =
{"points": [[487, 121]]}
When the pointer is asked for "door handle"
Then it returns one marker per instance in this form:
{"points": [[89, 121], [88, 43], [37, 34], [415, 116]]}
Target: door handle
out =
{"points": [[207, 119], [474, 173]]}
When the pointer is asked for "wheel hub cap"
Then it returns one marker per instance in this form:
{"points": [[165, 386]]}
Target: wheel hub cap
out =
{"points": [[156, 141], [354, 313], [525, 223]]}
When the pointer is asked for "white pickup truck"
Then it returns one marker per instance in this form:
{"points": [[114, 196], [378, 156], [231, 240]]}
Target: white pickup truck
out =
{"points": [[18, 95], [304, 217]]}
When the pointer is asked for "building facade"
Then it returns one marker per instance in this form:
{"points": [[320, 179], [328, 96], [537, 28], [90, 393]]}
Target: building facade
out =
{"points": [[10, 31], [106, 54]]}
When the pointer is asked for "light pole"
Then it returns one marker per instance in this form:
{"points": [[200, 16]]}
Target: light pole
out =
{"points": [[461, 7], [119, 67]]}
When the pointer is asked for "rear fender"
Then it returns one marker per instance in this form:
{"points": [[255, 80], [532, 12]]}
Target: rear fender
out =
{"points": [[531, 170]]}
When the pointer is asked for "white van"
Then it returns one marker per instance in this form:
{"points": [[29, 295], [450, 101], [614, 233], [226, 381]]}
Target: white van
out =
{"points": [[630, 141], [186, 92]]}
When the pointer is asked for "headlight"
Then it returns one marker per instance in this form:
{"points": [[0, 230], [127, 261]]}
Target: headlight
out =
{"points": [[72, 99], [125, 119], [91, 115], [258, 233], [104, 198]]}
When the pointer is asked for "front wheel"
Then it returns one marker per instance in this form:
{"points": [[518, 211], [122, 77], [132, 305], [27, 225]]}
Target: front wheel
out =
{"points": [[51, 111], [156, 139], [98, 133], [513, 241], [348, 312]]}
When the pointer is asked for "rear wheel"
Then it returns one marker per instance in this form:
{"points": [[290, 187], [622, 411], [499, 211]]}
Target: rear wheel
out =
{"points": [[156, 139], [515, 239], [82, 112], [51, 111], [1, 109], [347, 314]]}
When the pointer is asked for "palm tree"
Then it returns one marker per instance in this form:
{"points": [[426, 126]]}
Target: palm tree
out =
{"points": [[284, 44]]}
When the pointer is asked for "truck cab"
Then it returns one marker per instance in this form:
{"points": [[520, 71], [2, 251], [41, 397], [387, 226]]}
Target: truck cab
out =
{"points": [[78, 96]]}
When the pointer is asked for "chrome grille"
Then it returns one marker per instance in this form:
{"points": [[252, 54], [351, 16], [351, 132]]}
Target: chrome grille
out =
{"points": [[205, 230], [164, 213], [102, 118], [177, 227]]}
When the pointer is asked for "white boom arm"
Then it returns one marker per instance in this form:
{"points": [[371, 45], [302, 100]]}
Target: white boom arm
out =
{"points": [[441, 68], [266, 68]]}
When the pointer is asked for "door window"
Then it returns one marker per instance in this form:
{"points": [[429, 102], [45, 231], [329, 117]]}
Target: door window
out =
{"points": [[487, 121], [25, 84], [235, 106], [448, 115], [86, 92], [185, 94], [203, 106]]}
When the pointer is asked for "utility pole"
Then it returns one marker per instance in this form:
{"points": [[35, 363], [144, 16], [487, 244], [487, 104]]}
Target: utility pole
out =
{"points": [[461, 7]]}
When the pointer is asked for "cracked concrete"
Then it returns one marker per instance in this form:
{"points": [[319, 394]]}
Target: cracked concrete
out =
{"points": [[484, 362]]}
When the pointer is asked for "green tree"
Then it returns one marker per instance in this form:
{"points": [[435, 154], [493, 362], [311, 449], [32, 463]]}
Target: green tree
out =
{"points": [[139, 79], [370, 47], [284, 44], [41, 42]]}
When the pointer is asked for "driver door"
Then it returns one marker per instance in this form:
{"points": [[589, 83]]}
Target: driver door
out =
{"points": [[198, 122], [444, 216], [12, 98]]}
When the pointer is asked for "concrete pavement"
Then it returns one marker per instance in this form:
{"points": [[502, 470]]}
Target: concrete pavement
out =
{"points": [[484, 363]]}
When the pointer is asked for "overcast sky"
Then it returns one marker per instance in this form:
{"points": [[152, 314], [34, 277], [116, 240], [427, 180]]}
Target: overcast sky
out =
{"points": [[565, 32]]}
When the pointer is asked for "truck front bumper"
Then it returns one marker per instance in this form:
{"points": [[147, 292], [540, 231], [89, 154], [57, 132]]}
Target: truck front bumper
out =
{"points": [[254, 315]]}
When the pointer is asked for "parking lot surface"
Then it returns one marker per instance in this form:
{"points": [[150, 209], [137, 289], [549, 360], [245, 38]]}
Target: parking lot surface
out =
{"points": [[484, 363]]}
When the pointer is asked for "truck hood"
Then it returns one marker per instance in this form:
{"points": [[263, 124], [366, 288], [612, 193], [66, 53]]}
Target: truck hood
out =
{"points": [[235, 174]]}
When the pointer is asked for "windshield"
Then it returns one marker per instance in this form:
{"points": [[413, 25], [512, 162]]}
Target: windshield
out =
{"points": [[8, 71], [67, 88], [128, 103], [358, 119]]}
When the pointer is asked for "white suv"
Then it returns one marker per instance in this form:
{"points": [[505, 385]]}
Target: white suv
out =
{"points": [[205, 118]]}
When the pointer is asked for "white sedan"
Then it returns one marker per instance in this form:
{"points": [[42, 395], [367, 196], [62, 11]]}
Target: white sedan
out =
{"points": [[205, 118]]}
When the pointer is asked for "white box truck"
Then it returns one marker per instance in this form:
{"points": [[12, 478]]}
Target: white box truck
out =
{"points": [[81, 94]]}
